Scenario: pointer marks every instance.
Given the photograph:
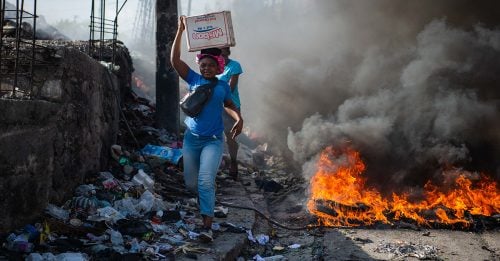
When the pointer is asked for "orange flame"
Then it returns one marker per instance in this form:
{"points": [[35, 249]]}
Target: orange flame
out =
{"points": [[340, 197]]}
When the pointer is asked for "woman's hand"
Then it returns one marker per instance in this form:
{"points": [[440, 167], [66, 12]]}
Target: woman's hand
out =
{"points": [[234, 112], [175, 54], [237, 128], [182, 23]]}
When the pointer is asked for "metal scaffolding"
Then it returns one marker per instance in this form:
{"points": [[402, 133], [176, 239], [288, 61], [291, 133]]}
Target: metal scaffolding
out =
{"points": [[18, 57], [102, 30]]}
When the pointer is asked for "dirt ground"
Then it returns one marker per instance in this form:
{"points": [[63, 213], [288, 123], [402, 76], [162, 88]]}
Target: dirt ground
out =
{"points": [[366, 244]]}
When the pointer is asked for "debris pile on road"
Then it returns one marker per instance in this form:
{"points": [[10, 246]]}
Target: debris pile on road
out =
{"points": [[408, 249]]}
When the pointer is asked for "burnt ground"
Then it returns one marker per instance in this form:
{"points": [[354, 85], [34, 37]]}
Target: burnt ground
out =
{"points": [[402, 242]]}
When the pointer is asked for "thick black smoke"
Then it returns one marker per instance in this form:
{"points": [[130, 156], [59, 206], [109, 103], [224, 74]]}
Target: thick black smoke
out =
{"points": [[414, 85]]}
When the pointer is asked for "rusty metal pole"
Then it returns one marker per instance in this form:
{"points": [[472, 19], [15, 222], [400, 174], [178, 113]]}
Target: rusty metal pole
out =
{"points": [[167, 80]]}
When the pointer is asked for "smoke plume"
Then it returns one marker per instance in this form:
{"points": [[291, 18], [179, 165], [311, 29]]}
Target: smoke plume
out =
{"points": [[413, 85]]}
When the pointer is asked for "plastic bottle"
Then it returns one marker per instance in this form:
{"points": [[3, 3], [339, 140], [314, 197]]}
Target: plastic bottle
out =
{"points": [[141, 178]]}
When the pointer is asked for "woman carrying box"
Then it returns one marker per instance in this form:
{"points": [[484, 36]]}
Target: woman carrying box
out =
{"points": [[204, 140]]}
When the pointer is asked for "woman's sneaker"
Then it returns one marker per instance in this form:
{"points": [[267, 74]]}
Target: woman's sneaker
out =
{"points": [[206, 235]]}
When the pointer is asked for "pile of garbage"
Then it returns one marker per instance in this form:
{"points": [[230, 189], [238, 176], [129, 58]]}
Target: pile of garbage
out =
{"points": [[116, 213]]}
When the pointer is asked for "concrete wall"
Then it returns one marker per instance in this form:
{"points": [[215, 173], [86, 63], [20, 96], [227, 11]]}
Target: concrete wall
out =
{"points": [[48, 145]]}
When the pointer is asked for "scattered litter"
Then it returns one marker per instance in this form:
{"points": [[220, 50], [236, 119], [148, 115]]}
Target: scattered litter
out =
{"points": [[141, 178], [19, 243], [191, 248], [250, 236], [215, 226], [220, 212], [106, 214], [269, 258], [169, 154], [262, 239], [173, 240], [40, 257], [278, 248], [193, 235], [57, 212], [408, 249], [95, 238], [115, 237], [294, 246], [75, 222], [233, 228]]}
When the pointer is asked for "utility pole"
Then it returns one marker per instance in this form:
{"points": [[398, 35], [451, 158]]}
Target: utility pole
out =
{"points": [[167, 80]]}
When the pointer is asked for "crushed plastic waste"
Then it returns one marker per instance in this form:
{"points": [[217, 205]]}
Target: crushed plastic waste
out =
{"points": [[57, 212], [233, 228], [169, 154], [95, 238], [115, 237], [141, 178], [60, 257], [19, 243], [269, 258], [107, 214], [261, 239], [220, 212]]}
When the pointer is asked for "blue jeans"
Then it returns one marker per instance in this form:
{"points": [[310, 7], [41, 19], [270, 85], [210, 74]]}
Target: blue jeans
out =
{"points": [[202, 157]]}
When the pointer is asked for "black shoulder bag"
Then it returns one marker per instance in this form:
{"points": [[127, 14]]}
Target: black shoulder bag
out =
{"points": [[194, 101]]}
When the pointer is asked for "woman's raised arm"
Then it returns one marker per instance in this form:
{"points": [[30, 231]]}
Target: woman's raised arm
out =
{"points": [[175, 55]]}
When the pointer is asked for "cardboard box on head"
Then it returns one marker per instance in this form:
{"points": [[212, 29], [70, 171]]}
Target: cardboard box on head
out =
{"points": [[209, 30]]}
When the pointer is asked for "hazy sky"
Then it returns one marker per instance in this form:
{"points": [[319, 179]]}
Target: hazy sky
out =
{"points": [[56, 10]]}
